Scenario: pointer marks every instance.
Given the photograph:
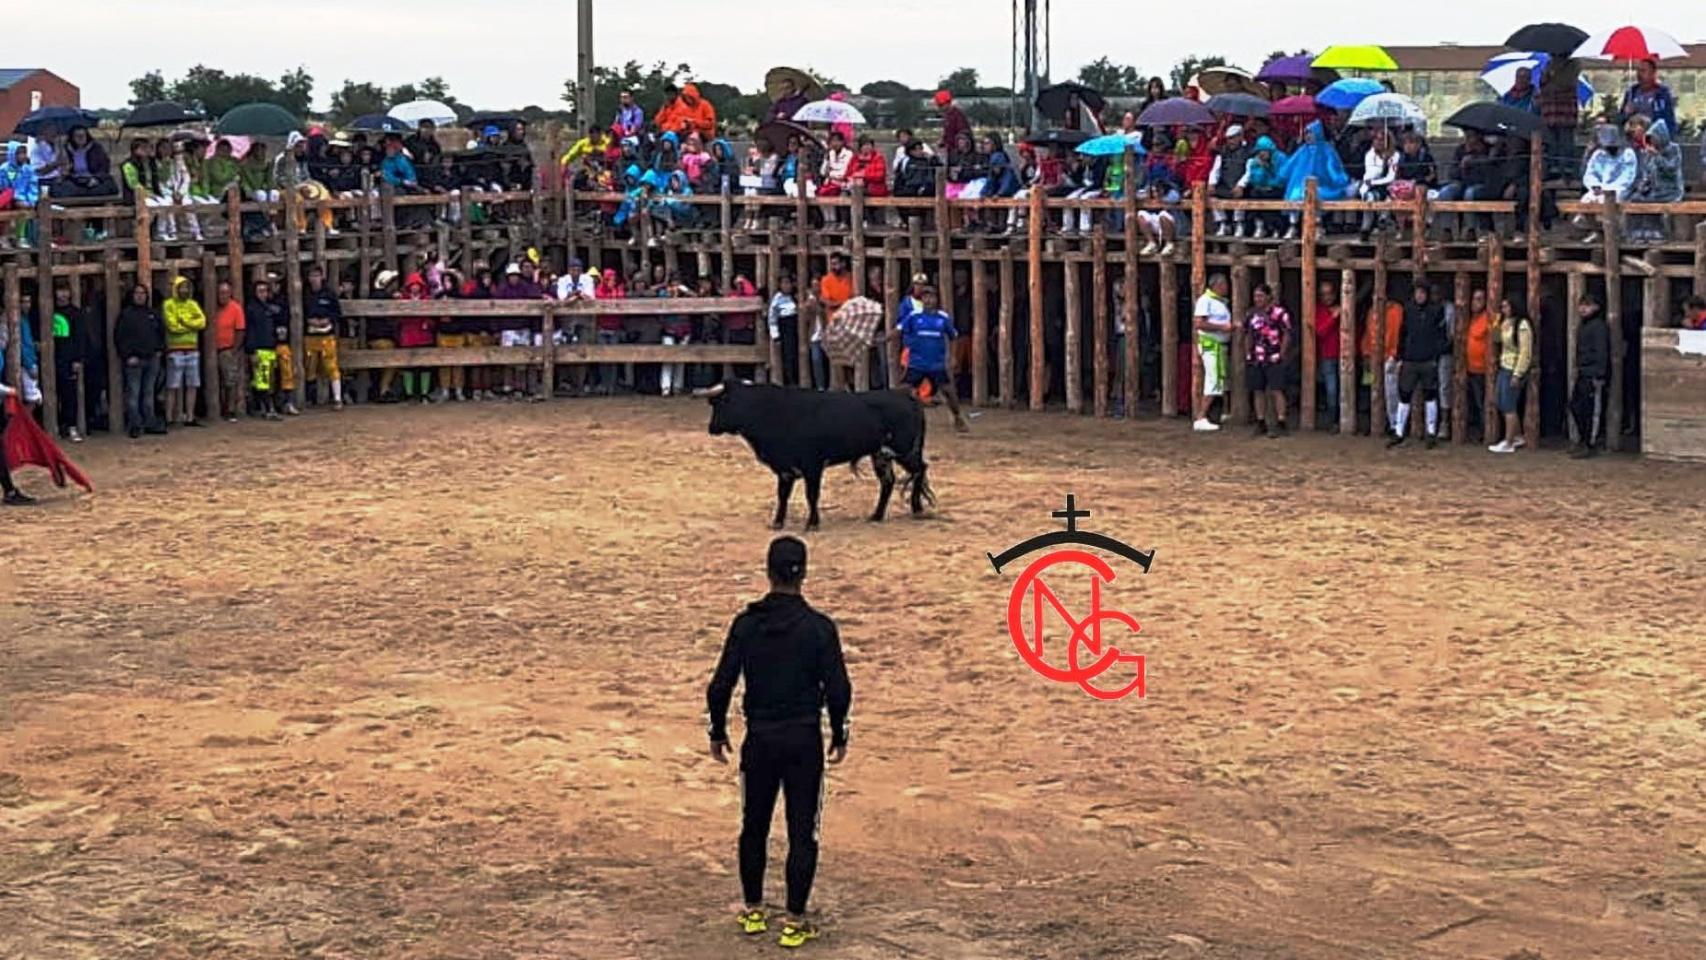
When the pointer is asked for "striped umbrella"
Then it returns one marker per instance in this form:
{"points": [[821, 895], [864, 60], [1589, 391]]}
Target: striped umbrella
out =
{"points": [[1630, 43]]}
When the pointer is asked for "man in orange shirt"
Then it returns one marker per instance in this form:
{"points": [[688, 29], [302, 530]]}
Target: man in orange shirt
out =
{"points": [[1394, 323], [1475, 352], [228, 326]]}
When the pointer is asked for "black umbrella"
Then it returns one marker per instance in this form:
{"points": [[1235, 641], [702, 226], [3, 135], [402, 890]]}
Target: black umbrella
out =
{"points": [[1557, 39], [379, 123], [502, 119], [1496, 119], [1065, 138], [64, 118], [162, 113], [1239, 105], [1053, 101], [776, 134]]}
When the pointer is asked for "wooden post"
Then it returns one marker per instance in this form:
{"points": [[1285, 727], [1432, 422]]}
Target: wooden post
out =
{"points": [[388, 225], [1613, 319], [465, 234], [234, 245], [209, 346], [1531, 413], [364, 252], [1237, 392], [1034, 282], [1074, 362], [82, 404], [915, 247], [1460, 358], [1235, 403], [1495, 295], [943, 227], [1699, 263], [1306, 322], [1348, 352], [320, 245], [1379, 417], [802, 273], [1577, 285], [726, 242], [568, 215], [14, 326], [293, 290], [548, 352], [1199, 243], [115, 366], [1100, 319], [979, 334], [892, 283], [773, 267], [1132, 384], [1004, 325], [1169, 303], [45, 348]]}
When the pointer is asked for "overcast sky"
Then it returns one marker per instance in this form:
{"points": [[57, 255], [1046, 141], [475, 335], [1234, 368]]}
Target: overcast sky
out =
{"points": [[511, 53]]}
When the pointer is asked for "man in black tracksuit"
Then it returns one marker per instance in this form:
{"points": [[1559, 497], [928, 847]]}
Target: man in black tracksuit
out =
{"points": [[1422, 340], [791, 657], [1593, 369]]}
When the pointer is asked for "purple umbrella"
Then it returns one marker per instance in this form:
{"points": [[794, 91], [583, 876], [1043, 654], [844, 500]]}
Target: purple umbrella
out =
{"points": [[1295, 71], [1176, 112]]}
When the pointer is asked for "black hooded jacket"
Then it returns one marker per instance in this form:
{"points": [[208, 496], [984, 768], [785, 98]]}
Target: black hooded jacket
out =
{"points": [[1593, 348], [1422, 338], [790, 655], [139, 332]]}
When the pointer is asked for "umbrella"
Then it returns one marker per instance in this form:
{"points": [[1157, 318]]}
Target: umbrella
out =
{"points": [[1500, 72], [379, 123], [163, 113], [1584, 92], [502, 119], [805, 84], [413, 112], [1066, 138], [1217, 80], [189, 135], [776, 133], [239, 147], [1496, 119], [1558, 39], [63, 118], [1388, 108], [257, 120], [1176, 112], [1239, 105], [1630, 43], [1295, 71], [851, 330], [1346, 94], [1367, 57], [828, 111], [1111, 145], [1302, 105], [1052, 101]]}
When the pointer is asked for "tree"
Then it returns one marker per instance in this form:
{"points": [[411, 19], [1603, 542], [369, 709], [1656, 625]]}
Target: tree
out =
{"points": [[960, 83], [1111, 79], [148, 88], [296, 92], [646, 84], [216, 91], [356, 99], [886, 90], [1192, 65], [907, 112]]}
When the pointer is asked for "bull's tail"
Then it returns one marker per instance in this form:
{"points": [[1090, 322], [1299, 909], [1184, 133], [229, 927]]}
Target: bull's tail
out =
{"points": [[921, 480], [854, 466]]}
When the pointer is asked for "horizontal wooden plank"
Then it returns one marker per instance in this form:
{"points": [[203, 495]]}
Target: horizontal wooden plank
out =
{"points": [[639, 307], [534, 356]]}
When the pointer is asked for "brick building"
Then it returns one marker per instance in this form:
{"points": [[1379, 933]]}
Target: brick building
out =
{"points": [[26, 89]]}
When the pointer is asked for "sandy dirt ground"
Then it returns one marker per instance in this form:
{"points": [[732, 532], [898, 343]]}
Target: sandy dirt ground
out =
{"points": [[429, 684]]}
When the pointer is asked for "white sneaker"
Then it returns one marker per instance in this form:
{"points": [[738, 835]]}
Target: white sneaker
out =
{"points": [[1221, 231], [1261, 232], [1167, 251], [1519, 443], [1203, 426], [1148, 250], [1501, 447], [1291, 234]]}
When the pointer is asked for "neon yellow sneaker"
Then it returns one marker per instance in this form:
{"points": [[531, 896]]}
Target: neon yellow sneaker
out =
{"points": [[752, 922], [796, 933]]}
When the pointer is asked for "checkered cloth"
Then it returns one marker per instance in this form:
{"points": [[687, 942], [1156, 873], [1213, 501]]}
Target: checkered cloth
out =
{"points": [[851, 330]]}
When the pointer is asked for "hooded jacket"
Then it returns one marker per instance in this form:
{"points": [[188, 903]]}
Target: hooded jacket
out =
{"points": [[1593, 348], [20, 178], [1422, 337], [1315, 157], [320, 311], [1259, 175], [184, 317], [414, 331], [138, 332], [255, 174], [287, 169], [1608, 171], [689, 113], [261, 319], [791, 657], [1661, 170], [218, 174]]}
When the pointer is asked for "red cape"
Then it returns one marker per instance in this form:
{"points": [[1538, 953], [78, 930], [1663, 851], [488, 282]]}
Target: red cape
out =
{"points": [[27, 445]]}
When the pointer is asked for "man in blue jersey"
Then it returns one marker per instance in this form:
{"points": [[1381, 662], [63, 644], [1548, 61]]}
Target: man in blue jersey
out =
{"points": [[926, 333]]}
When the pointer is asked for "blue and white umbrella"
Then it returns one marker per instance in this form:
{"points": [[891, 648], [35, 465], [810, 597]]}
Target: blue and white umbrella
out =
{"points": [[1500, 74], [1346, 94], [1112, 145], [1388, 108]]}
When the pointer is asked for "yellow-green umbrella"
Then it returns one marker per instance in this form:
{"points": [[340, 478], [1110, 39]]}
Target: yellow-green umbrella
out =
{"points": [[1355, 58]]}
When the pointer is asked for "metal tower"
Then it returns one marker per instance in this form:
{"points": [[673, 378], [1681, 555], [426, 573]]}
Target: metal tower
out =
{"points": [[1030, 61]]}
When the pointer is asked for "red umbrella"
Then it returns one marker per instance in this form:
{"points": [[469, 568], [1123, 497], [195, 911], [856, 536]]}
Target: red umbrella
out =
{"points": [[1630, 43], [1302, 105]]}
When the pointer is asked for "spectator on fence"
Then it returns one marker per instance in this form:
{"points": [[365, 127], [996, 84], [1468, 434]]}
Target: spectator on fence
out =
{"points": [[1261, 180], [788, 104], [782, 318], [142, 188], [1648, 97], [19, 177], [44, 156], [222, 171], [1154, 92], [322, 315], [84, 168], [397, 169], [1329, 315], [1611, 171], [630, 119], [1085, 178], [954, 122], [1559, 105], [1212, 322], [256, 175], [139, 336], [178, 185], [67, 332], [518, 331], [1314, 157], [870, 171], [29, 362], [609, 328], [675, 329], [1694, 313], [1231, 162], [1423, 339], [228, 335], [1516, 361], [917, 177], [1475, 353], [1593, 374], [1660, 181], [687, 112], [184, 321], [1464, 172], [1035, 173], [1522, 94], [291, 172], [414, 333], [1380, 171]]}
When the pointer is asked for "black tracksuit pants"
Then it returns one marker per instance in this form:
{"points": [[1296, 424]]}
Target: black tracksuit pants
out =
{"points": [[788, 759], [1587, 405]]}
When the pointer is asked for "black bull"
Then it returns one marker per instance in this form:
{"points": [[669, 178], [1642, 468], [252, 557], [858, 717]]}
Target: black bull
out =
{"points": [[797, 433]]}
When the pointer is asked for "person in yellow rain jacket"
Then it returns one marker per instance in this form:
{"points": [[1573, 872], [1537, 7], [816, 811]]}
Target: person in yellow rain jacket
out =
{"points": [[184, 323]]}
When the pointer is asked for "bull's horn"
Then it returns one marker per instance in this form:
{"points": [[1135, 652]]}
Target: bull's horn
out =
{"points": [[747, 383], [711, 392]]}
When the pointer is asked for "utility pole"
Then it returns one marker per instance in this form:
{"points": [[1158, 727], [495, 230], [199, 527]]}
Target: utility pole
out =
{"points": [[586, 96], [1033, 29]]}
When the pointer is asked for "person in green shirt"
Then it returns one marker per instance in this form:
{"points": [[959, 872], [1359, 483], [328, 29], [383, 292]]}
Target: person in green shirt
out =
{"points": [[221, 172], [256, 176]]}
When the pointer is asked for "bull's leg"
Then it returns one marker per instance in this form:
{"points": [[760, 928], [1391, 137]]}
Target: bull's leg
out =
{"points": [[916, 475], [784, 492], [885, 475], [814, 483]]}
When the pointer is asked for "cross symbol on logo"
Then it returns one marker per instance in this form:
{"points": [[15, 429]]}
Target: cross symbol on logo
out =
{"points": [[1071, 514]]}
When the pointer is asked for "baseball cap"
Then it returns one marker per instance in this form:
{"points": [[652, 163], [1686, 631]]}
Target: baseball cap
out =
{"points": [[920, 280], [513, 270], [1235, 131], [786, 562]]}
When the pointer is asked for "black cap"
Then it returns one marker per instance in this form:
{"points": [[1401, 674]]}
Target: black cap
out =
{"points": [[787, 560]]}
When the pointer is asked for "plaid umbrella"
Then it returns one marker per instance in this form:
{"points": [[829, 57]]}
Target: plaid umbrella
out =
{"points": [[851, 330]]}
